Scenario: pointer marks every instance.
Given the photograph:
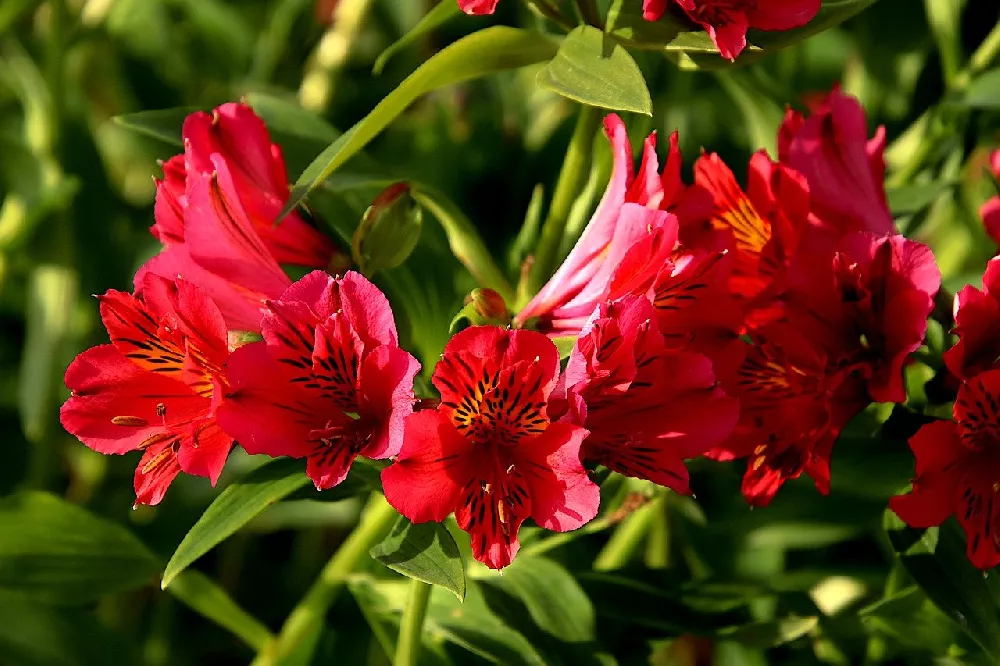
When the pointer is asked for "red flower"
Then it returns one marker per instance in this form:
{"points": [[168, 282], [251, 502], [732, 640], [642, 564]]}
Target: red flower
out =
{"points": [[328, 383], [222, 252], [490, 452], [478, 6], [156, 387], [958, 471], [866, 304], [647, 408], [991, 209], [977, 324], [845, 170], [793, 406], [260, 180], [727, 20], [762, 226]]}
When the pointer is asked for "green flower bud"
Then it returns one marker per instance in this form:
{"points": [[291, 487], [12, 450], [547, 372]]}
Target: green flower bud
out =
{"points": [[389, 230]]}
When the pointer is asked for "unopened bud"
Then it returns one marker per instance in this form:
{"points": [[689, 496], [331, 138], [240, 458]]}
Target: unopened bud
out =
{"points": [[483, 307], [389, 230], [239, 338]]}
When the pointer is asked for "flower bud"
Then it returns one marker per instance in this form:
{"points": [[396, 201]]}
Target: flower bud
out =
{"points": [[389, 230], [483, 307]]}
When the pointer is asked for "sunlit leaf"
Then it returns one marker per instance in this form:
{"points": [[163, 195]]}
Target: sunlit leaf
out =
{"points": [[426, 552]]}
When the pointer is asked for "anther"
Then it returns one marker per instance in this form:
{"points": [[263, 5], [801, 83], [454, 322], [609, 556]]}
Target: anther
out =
{"points": [[131, 421]]}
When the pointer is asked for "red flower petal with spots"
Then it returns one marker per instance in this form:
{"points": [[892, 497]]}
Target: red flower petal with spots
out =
{"points": [[490, 453], [156, 387], [328, 383], [845, 169], [958, 471], [977, 324], [647, 408]]}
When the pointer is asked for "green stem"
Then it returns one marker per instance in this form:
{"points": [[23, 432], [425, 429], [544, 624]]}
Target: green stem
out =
{"points": [[591, 15], [299, 635], [627, 538], [546, 9], [56, 71], [411, 629], [982, 58], [572, 177]]}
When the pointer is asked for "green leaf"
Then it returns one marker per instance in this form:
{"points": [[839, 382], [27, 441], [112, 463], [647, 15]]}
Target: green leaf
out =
{"points": [[34, 634], [913, 199], [204, 595], [593, 68], [62, 554], [984, 91], [565, 344], [234, 508], [910, 618], [553, 598], [936, 559], [435, 18], [771, 633], [491, 50], [427, 552], [162, 124]]}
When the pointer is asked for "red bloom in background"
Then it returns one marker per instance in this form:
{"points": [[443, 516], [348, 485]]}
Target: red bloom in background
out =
{"points": [[958, 471], [793, 406], [647, 408], [260, 184], [490, 453], [977, 324], [328, 383], [991, 209], [478, 6], [727, 21], [866, 304], [845, 170], [761, 227], [156, 387], [222, 252]]}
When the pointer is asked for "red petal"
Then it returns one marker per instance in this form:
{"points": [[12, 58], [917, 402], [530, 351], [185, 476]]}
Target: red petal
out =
{"points": [[562, 495], [386, 387], [156, 471], [204, 451], [936, 447], [136, 332], [368, 310]]}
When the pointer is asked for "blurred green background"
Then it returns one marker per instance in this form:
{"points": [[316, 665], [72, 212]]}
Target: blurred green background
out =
{"points": [[77, 189]]}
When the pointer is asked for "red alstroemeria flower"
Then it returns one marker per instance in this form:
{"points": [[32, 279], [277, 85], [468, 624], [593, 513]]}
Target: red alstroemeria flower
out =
{"points": [[222, 252], [990, 210], [727, 21], [762, 226], [629, 214], [260, 183], [958, 471], [647, 408], [866, 304], [328, 383], [793, 406], [977, 324], [477, 7], [490, 453], [845, 170], [156, 387]]}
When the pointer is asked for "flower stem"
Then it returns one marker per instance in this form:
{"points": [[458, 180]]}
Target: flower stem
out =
{"points": [[982, 58], [299, 635], [411, 629], [588, 9], [572, 177], [627, 538], [546, 9]]}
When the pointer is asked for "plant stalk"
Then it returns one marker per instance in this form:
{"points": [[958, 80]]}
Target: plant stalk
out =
{"points": [[981, 58], [572, 178], [297, 641], [628, 537], [411, 629]]}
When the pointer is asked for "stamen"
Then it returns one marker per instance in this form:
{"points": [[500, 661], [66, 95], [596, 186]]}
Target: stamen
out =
{"points": [[130, 421]]}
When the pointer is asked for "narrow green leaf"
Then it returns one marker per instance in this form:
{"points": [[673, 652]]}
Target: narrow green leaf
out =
{"points": [[984, 91], [771, 633], [912, 199], [912, 619], [937, 560], [62, 554], [435, 18], [491, 50], [553, 598], [427, 552], [162, 124], [203, 595], [234, 508], [593, 68]]}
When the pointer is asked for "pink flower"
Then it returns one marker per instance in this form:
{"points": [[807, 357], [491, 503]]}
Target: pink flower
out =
{"points": [[958, 471], [478, 6], [490, 453], [990, 210], [647, 407], [845, 170], [977, 324], [727, 21], [156, 387], [328, 383], [222, 252]]}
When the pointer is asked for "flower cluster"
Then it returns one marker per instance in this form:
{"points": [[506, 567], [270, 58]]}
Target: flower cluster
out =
{"points": [[706, 319], [725, 21]]}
